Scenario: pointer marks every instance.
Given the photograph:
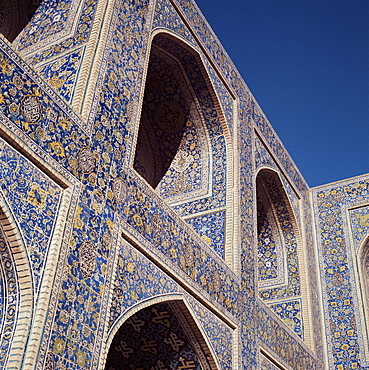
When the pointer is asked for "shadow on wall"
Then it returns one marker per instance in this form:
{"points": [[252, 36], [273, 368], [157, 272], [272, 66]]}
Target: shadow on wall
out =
{"points": [[14, 16]]}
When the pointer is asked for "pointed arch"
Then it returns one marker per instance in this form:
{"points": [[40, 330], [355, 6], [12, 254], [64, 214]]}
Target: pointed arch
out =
{"points": [[174, 315], [19, 290], [277, 229], [173, 150], [183, 147], [281, 261]]}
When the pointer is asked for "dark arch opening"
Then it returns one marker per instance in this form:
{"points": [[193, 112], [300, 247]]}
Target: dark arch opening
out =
{"points": [[169, 105], [15, 15], [160, 336]]}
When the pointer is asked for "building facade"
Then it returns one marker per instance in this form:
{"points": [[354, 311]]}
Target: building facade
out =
{"points": [[150, 216]]}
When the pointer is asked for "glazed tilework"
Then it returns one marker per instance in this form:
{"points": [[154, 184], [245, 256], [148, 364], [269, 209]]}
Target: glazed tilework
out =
{"points": [[115, 103], [219, 333], [34, 199], [42, 24], [175, 156], [288, 238], [114, 200], [313, 277], [277, 339], [211, 228], [61, 73], [213, 126], [227, 101], [136, 280], [183, 250], [266, 364], [49, 20], [346, 347], [290, 313], [359, 219], [33, 109], [263, 158], [167, 18], [82, 293], [271, 264]]}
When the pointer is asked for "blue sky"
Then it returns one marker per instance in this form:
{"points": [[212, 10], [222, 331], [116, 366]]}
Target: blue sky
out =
{"points": [[307, 64]]}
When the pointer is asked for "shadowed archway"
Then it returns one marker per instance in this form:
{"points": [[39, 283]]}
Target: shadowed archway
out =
{"points": [[160, 336], [14, 16]]}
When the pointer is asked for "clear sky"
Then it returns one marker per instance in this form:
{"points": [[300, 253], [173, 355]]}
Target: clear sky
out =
{"points": [[307, 64]]}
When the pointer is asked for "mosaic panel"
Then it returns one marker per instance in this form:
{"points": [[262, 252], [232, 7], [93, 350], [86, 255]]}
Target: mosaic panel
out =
{"points": [[175, 245], [224, 96], [262, 157], [172, 147], [220, 335], [118, 89], [34, 109], [290, 313], [3, 299], [271, 265], [313, 279], [82, 293], [166, 17], [211, 228], [276, 338], [49, 22], [213, 125], [266, 364], [359, 219], [61, 74], [50, 18], [35, 200], [345, 342]]}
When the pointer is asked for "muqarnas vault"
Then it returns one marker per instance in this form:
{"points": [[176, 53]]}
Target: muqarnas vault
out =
{"points": [[150, 216]]}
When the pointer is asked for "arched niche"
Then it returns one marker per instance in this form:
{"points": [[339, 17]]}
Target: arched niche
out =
{"points": [[280, 257], [173, 147], [16, 290], [276, 227], [14, 16], [159, 334], [183, 146]]}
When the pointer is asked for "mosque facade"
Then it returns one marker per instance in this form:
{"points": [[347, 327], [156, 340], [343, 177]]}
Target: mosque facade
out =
{"points": [[150, 216]]}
